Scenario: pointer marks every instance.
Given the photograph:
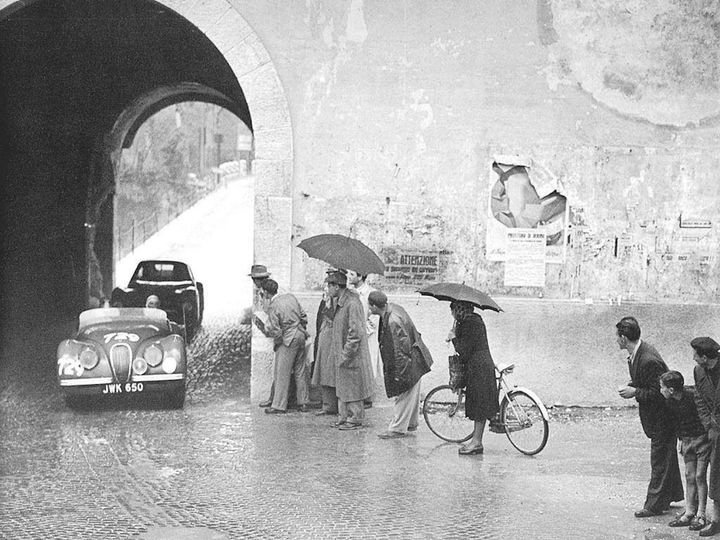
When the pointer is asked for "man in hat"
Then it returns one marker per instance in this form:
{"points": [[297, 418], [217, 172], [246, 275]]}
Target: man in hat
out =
{"points": [[707, 379], [287, 325], [646, 366], [258, 274], [323, 368], [405, 360], [350, 349]]}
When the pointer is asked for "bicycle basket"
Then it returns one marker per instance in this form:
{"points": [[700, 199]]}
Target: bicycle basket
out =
{"points": [[458, 372]]}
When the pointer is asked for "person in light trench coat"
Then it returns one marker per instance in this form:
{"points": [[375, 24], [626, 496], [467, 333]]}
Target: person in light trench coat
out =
{"points": [[354, 379]]}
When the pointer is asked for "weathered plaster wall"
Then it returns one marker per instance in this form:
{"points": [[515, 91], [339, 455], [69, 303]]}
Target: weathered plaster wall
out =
{"points": [[398, 107]]}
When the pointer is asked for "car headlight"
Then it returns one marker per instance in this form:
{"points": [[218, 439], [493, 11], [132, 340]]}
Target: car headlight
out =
{"points": [[89, 358], [169, 364], [153, 355], [140, 366]]}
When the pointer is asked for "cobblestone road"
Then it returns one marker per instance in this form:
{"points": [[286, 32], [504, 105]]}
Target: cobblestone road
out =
{"points": [[220, 468]]}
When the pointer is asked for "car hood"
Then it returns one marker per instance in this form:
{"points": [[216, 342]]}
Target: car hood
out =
{"points": [[133, 325]]}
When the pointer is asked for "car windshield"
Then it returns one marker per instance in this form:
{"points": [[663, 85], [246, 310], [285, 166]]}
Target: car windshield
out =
{"points": [[93, 317], [161, 271]]}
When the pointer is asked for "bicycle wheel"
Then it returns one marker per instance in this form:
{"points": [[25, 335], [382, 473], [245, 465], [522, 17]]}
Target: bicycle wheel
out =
{"points": [[524, 424], [445, 415]]}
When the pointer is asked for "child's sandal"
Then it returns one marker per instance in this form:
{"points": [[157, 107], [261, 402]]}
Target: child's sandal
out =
{"points": [[682, 521], [698, 523]]}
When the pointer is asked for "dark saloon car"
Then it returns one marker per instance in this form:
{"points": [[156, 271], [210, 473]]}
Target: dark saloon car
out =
{"points": [[119, 351], [181, 297]]}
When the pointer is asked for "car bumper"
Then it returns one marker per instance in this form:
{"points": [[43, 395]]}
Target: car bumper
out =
{"points": [[141, 384]]}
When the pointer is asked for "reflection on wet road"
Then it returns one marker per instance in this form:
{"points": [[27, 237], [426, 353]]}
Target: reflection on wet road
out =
{"points": [[221, 465]]}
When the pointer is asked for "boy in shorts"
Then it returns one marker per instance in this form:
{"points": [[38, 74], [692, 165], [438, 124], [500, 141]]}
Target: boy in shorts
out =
{"points": [[694, 447]]}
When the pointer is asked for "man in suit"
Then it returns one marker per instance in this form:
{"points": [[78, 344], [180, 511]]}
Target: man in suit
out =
{"points": [[646, 365], [707, 397]]}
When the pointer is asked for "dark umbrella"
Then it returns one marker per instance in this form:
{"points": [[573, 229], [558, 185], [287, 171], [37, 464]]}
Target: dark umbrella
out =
{"points": [[460, 291], [343, 252]]}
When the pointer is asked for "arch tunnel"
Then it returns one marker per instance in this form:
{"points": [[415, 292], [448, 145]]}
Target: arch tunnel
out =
{"points": [[77, 79]]}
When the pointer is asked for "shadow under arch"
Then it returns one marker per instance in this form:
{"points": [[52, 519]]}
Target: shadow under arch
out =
{"points": [[88, 128], [105, 163]]}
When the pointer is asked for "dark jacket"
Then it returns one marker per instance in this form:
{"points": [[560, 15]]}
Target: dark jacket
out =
{"points": [[645, 371], [707, 399], [404, 355]]}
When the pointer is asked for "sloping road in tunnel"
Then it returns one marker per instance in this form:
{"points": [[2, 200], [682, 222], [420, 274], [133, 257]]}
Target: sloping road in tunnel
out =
{"points": [[215, 237]]}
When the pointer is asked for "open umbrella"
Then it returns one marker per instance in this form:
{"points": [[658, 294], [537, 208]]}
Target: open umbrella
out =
{"points": [[460, 291], [343, 252]]}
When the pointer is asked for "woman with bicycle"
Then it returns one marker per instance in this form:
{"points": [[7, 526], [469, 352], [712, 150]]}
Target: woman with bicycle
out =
{"points": [[469, 338]]}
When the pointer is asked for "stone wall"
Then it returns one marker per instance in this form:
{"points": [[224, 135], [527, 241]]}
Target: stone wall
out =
{"points": [[398, 109]]}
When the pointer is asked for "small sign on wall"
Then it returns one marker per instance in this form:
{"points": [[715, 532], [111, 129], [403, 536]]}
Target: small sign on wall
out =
{"points": [[694, 223], [525, 253], [412, 266]]}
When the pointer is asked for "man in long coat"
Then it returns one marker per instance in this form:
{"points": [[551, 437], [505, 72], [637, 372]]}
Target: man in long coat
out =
{"points": [[646, 366], [405, 360], [353, 380], [707, 397], [324, 372]]}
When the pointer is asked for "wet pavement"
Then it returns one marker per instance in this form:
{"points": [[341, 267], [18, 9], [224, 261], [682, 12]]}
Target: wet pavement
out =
{"points": [[221, 468]]}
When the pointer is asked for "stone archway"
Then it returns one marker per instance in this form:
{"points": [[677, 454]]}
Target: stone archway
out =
{"points": [[248, 60]]}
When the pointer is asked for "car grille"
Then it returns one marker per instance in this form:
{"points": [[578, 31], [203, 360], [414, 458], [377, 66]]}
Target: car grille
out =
{"points": [[121, 361]]}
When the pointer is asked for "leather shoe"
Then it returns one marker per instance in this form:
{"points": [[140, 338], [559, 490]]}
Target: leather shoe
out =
{"points": [[711, 530], [367, 404], [265, 403], [324, 413], [412, 428], [391, 435], [303, 408], [270, 410], [470, 450], [349, 426], [644, 513]]}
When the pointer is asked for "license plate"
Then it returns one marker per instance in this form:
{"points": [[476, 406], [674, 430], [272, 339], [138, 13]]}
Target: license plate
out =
{"points": [[119, 388]]}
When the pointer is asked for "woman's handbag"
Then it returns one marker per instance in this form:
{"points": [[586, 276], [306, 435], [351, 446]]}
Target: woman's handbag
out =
{"points": [[458, 372]]}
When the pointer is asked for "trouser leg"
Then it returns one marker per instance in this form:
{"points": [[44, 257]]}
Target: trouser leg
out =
{"points": [[284, 359], [343, 412], [329, 399], [355, 411], [302, 391], [406, 410], [665, 482]]}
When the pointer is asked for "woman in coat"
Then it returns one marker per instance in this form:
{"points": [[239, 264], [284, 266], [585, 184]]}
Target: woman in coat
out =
{"points": [[481, 395]]}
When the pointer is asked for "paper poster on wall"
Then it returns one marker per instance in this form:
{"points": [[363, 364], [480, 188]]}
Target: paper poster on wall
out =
{"points": [[524, 198], [525, 255]]}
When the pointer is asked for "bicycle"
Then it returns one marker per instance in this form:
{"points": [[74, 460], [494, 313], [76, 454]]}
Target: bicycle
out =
{"points": [[522, 417]]}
